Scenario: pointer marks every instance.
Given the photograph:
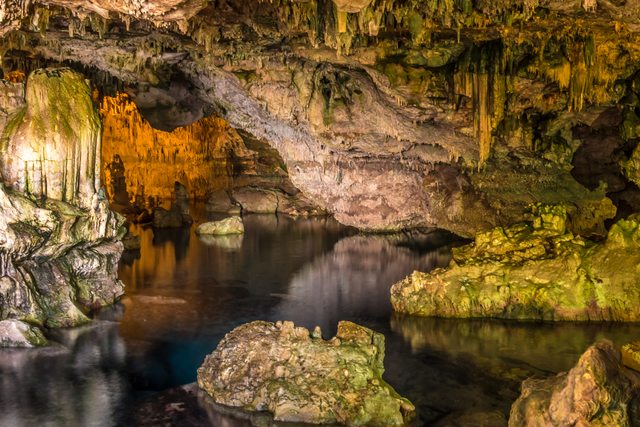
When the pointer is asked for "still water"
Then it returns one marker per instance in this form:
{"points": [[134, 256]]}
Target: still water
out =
{"points": [[184, 293]]}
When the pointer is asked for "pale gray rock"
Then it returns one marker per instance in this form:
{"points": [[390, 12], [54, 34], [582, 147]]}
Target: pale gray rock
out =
{"points": [[14, 333], [231, 225]]}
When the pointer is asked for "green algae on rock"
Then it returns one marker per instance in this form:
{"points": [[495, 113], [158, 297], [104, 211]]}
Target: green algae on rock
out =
{"points": [[535, 271], [299, 377], [14, 333], [59, 242], [598, 391]]}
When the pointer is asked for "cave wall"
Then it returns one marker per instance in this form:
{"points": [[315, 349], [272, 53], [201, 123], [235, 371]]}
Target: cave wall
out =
{"points": [[59, 242], [390, 114], [52, 143], [141, 164]]}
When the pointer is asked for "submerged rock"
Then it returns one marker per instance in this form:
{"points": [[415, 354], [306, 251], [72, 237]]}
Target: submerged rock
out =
{"points": [[14, 333], [537, 270], [299, 377], [231, 225], [598, 391]]}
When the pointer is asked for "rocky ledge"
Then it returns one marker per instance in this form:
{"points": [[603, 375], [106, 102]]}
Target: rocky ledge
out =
{"points": [[598, 391], [535, 270], [299, 377]]}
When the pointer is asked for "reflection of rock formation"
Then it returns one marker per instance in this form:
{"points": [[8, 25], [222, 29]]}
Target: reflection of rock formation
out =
{"points": [[58, 254], [78, 384], [355, 277], [507, 348]]}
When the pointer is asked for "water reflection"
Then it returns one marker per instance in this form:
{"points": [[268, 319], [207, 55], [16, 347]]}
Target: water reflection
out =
{"points": [[77, 383], [509, 348], [352, 281], [185, 293]]}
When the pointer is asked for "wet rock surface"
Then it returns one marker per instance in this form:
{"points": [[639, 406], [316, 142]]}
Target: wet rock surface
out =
{"points": [[388, 115], [14, 333], [537, 270], [598, 391], [59, 247], [299, 377]]}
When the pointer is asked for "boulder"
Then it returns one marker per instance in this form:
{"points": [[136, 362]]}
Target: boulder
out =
{"points": [[220, 202], [257, 200], [15, 333], [231, 225], [537, 270], [131, 242], [299, 377], [163, 218], [598, 391]]}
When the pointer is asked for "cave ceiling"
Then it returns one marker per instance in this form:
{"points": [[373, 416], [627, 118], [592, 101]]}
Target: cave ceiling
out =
{"points": [[362, 98]]}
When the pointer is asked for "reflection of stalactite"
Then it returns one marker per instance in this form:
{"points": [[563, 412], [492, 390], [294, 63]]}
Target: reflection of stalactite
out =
{"points": [[197, 155]]}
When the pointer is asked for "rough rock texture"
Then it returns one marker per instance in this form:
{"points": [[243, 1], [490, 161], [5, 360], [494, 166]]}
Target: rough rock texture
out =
{"points": [[537, 270], [14, 333], [59, 245], [231, 225], [299, 377], [179, 213], [51, 144], [220, 202], [388, 114], [598, 391]]}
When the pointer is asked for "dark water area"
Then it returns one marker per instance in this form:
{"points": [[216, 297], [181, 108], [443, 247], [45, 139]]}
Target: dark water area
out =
{"points": [[184, 293]]}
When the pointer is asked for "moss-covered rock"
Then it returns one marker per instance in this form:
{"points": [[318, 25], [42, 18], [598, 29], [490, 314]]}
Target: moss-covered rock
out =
{"points": [[535, 270], [14, 333], [299, 377], [598, 391], [59, 241]]}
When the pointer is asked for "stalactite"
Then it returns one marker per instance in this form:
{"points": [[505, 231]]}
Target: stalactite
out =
{"points": [[150, 161]]}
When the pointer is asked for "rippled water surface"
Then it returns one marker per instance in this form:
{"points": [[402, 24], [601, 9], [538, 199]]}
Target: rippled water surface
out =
{"points": [[184, 294]]}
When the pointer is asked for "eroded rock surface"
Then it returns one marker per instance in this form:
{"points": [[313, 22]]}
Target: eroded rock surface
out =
{"points": [[537, 270], [389, 115], [14, 333], [598, 391], [299, 377], [59, 245]]}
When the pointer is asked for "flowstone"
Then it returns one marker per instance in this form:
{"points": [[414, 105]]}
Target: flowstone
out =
{"points": [[59, 242], [299, 377], [536, 270]]}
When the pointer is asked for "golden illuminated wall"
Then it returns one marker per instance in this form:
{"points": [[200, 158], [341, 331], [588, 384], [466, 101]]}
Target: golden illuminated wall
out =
{"points": [[149, 161]]}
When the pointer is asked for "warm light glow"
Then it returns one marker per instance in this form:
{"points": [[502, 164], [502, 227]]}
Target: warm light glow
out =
{"points": [[149, 161]]}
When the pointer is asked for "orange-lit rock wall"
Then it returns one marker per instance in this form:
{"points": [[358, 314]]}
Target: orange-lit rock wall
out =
{"points": [[146, 162]]}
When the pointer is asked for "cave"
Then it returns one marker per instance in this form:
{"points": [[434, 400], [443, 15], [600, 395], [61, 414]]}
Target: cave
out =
{"points": [[320, 212]]}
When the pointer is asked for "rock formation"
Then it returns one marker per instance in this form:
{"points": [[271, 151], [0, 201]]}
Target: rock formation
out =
{"points": [[59, 245], [231, 225], [598, 391], [388, 114], [299, 377], [537, 270]]}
